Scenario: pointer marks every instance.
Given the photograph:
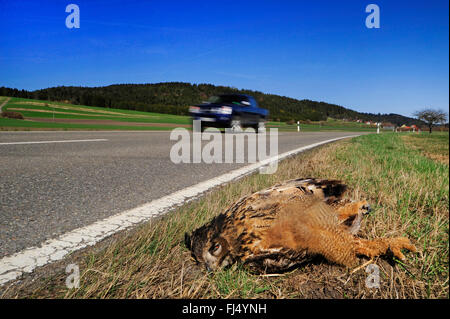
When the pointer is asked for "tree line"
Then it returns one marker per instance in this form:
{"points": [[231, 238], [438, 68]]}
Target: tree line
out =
{"points": [[176, 97]]}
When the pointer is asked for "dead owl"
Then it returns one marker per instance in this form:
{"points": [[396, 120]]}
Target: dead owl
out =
{"points": [[285, 225]]}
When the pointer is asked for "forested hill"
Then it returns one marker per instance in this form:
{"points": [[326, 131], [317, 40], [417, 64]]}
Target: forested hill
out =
{"points": [[175, 97]]}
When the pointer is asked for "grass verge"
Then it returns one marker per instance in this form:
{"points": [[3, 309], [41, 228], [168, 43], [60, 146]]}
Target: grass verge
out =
{"points": [[409, 194], [434, 146], [7, 124]]}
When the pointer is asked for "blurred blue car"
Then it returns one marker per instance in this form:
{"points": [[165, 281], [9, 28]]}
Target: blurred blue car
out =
{"points": [[235, 111]]}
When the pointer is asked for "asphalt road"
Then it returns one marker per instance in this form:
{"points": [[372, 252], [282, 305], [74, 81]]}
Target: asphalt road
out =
{"points": [[47, 189]]}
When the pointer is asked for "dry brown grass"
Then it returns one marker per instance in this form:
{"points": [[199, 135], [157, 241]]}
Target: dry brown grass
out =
{"points": [[434, 146], [12, 115], [409, 194], [75, 108]]}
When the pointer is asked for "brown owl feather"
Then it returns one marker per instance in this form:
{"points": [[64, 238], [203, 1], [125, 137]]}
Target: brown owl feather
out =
{"points": [[282, 226]]}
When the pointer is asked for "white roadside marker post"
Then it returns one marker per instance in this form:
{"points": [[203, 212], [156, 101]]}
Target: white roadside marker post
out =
{"points": [[298, 126]]}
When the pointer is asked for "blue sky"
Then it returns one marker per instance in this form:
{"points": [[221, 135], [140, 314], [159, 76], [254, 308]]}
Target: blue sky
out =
{"points": [[319, 50]]}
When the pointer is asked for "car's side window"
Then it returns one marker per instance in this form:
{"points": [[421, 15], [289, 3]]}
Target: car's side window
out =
{"points": [[252, 102]]}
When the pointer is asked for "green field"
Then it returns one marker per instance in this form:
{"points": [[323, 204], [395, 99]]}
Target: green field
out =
{"points": [[329, 125], [20, 125], [37, 109], [39, 115]]}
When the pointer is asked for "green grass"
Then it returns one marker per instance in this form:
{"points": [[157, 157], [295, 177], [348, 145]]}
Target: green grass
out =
{"points": [[57, 110], [11, 124], [154, 119], [434, 146], [19, 102], [409, 193], [329, 125], [237, 282], [415, 187]]}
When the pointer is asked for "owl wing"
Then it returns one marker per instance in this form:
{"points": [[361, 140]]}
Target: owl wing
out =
{"points": [[328, 190], [252, 216], [266, 201]]}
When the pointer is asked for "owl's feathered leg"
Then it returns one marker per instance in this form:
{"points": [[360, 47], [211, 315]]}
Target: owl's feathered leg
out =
{"points": [[333, 244], [381, 246], [343, 248]]}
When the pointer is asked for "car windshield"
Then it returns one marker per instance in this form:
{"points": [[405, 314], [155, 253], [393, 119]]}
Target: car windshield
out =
{"points": [[228, 99]]}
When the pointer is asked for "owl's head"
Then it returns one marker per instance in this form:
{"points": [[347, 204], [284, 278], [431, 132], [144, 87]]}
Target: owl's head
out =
{"points": [[209, 247]]}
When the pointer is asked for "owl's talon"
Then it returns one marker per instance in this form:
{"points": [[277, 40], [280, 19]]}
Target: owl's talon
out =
{"points": [[400, 243]]}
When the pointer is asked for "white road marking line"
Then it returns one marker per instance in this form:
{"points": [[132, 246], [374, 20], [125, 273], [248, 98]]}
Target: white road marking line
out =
{"points": [[25, 261], [61, 141]]}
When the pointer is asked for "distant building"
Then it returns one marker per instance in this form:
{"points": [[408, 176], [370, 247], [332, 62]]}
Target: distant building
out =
{"points": [[388, 126]]}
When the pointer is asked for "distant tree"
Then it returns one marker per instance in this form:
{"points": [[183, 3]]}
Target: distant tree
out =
{"points": [[431, 117]]}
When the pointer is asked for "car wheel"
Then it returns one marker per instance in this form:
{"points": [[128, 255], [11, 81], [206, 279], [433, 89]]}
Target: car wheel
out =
{"points": [[261, 127], [236, 125]]}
